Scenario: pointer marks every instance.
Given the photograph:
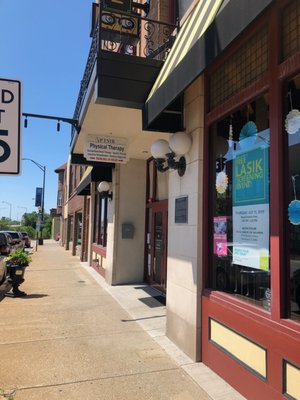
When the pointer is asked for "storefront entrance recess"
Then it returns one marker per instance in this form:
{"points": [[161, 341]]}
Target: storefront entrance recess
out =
{"points": [[156, 245]]}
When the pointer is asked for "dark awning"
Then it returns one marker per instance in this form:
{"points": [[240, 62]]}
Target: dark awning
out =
{"points": [[205, 34], [100, 173]]}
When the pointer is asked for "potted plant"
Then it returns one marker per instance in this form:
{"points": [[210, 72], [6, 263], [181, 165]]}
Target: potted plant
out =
{"points": [[16, 263]]}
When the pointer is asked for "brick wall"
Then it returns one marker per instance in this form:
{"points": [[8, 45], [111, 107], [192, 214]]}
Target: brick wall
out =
{"points": [[163, 10]]}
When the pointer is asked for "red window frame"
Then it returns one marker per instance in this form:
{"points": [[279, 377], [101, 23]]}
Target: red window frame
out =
{"points": [[273, 82]]}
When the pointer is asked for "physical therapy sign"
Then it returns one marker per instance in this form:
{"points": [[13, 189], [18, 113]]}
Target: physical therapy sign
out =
{"points": [[106, 149], [10, 127]]}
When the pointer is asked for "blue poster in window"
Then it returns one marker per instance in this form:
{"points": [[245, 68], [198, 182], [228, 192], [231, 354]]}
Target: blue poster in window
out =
{"points": [[250, 180]]}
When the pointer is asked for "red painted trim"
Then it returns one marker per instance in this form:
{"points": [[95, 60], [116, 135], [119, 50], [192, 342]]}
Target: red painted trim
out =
{"points": [[99, 249], [158, 206], [289, 67], [256, 330], [251, 311], [154, 183], [207, 179], [98, 268], [236, 101], [276, 173], [278, 335]]}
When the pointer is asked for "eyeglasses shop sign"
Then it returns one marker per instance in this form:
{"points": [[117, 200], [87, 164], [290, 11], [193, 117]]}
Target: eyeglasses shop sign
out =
{"points": [[10, 127], [106, 149]]}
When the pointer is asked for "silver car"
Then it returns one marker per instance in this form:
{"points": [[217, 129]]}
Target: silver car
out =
{"points": [[17, 240]]}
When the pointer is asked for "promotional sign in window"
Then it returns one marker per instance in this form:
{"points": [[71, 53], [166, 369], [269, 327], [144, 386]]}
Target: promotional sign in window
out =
{"points": [[106, 149], [250, 212], [220, 236], [10, 127], [251, 236], [251, 177]]}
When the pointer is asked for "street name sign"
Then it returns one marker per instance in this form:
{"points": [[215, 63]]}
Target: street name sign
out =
{"points": [[10, 127]]}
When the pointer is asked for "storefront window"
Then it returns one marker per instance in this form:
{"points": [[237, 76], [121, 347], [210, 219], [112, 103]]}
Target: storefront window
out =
{"points": [[100, 222], [79, 228], [162, 186], [71, 228], [157, 183], [292, 130], [151, 181], [240, 204]]}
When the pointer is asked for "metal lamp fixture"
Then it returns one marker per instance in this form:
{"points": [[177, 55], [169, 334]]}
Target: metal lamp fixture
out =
{"points": [[104, 187], [170, 155]]}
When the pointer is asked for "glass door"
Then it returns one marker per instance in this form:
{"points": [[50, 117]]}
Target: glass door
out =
{"points": [[156, 246], [158, 259]]}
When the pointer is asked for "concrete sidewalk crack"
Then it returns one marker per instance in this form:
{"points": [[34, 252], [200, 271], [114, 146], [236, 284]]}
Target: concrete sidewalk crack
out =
{"points": [[24, 388]]}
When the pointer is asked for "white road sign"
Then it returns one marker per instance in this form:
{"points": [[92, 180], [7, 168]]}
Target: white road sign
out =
{"points": [[10, 127]]}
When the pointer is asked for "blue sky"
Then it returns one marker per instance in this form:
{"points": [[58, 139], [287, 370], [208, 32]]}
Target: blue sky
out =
{"points": [[45, 45]]}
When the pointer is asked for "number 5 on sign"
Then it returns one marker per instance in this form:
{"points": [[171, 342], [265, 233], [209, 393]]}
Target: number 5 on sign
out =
{"points": [[10, 127]]}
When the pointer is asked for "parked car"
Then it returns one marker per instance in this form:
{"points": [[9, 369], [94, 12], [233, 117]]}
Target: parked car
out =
{"points": [[5, 243], [17, 240], [26, 238], [3, 270]]}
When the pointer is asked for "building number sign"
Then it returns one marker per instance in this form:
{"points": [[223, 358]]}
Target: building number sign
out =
{"points": [[10, 127]]}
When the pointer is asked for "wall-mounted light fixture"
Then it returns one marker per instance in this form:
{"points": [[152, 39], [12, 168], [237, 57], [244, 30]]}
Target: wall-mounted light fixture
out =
{"points": [[105, 187], [170, 155]]}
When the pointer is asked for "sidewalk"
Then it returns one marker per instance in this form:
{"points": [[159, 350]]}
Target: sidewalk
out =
{"points": [[75, 337]]}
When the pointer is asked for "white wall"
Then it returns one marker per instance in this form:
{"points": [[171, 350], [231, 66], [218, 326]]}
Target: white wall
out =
{"points": [[125, 257], [184, 281]]}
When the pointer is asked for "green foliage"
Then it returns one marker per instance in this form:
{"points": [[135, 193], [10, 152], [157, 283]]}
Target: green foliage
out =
{"points": [[29, 222], [29, 230], [4, 224], [47, 229], [29, 219], [18, 257], [7, 394]]}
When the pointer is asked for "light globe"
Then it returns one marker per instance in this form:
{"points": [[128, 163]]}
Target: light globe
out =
{"points": [[103, 186], [160, 148], [180, 143]]}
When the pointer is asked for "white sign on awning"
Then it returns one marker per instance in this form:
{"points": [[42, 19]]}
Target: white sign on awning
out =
{"points": [[10, 127], [106, 149]]}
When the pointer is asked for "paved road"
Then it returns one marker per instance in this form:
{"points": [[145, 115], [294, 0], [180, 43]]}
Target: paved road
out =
{"points": [[69, 339]]}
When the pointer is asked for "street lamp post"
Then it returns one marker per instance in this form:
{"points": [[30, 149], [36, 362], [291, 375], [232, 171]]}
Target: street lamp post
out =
{"points": [[42, 168], [25, 208], [6, 202], [3, 208]]}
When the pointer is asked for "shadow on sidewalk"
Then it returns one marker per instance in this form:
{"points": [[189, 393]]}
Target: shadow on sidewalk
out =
{"points": [[28, 296]]}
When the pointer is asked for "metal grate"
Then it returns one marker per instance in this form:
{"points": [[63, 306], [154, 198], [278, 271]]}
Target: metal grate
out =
{"points": [[291, 29], [244, 67]]}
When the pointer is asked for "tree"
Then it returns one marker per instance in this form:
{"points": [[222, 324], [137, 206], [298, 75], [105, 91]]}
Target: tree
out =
{"points": [[4, 224], [30, 219], [29, 230], [47, 228]]}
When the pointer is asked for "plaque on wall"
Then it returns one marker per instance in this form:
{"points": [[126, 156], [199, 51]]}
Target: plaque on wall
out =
{"points": [[181, 210]]}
